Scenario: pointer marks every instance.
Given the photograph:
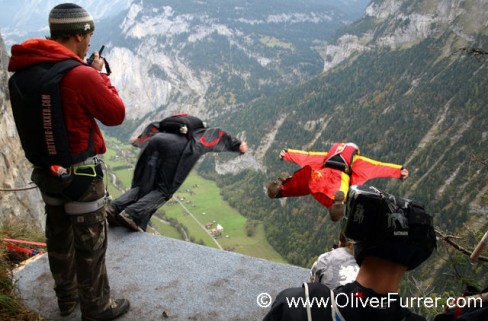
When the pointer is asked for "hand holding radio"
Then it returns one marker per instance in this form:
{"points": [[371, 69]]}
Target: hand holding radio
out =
{"points": [[91, 60]]}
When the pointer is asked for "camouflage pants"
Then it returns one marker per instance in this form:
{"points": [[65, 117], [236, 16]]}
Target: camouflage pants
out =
{"points": [[76, 245]]}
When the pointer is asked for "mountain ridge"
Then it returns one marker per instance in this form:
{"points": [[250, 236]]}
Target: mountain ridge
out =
{"points": [[241, 53], [395, 24], [164, 82]]}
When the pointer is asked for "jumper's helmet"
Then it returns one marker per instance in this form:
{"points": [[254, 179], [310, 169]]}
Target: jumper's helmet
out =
{"points": [[388, 227]]}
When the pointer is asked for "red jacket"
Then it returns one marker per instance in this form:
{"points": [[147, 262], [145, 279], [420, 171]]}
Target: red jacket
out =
{"points": [[87, 94], [322, 182]]}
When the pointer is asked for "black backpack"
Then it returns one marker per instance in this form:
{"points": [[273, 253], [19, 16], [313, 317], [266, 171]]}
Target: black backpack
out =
{"points": [[38, 114], [181, 124]]}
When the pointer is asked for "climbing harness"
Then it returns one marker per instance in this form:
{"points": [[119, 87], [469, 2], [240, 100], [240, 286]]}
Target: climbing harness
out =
{"points": [[78, 208], [89, 168]]}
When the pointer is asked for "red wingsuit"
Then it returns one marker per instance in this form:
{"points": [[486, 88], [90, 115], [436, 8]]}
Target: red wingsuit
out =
{"points": [[322, 182]]}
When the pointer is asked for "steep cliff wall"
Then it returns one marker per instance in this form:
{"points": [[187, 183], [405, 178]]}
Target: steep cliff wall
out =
{"points": [[395, 24], [14, 168]]}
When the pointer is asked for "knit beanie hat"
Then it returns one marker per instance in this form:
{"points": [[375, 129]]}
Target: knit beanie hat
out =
{"points": [[69, 19]]}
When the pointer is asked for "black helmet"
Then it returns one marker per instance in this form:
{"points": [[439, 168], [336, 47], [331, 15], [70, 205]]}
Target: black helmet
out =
{"points": [[392, 228], [405, 253]]}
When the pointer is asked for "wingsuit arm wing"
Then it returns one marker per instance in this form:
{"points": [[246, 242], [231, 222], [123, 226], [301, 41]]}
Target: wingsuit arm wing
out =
{"points": [[216, 140], [364, 169], [203, 141], [303, 158], [150, 130]]}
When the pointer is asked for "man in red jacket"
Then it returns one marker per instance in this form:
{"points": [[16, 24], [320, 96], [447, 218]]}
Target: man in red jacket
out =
{"points": [[59, 134], [328, 175]]}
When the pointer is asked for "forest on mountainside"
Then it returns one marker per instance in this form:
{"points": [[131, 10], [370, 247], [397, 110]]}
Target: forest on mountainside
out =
{"points": [[423, 106]]}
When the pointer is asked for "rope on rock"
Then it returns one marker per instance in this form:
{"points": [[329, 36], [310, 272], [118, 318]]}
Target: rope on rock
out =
{"points": [[17, 189]]}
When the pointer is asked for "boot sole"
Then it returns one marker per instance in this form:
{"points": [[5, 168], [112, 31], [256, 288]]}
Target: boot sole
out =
{"points": [[129, 223], [336, 211], [122, 311]]}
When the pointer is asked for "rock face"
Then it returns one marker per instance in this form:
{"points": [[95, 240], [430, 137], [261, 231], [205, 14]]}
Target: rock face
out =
{"points": [[167, 279], [15, 170], [399, 24]]}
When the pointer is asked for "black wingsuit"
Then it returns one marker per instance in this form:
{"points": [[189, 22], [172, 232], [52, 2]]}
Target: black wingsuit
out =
{"points": [[163, 165]]}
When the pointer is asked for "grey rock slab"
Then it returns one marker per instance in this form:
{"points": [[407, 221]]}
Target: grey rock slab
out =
{"points": [[168, 279]]}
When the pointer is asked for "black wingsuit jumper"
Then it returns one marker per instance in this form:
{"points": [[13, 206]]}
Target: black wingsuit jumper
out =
{"points": [[165, 161]]}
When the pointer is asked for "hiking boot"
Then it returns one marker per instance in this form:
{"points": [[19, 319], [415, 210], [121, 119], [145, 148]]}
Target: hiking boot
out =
{"points": [[128, 222], [274, 189], [66, 307], [336, 211], [112, 216], [116, 309]]}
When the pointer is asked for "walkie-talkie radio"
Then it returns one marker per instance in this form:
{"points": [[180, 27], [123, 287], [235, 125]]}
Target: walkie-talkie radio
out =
{"points": [[89, 61]]}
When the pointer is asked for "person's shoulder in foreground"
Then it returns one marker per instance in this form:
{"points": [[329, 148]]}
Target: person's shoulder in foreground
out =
{"points": [[384, 256]]}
